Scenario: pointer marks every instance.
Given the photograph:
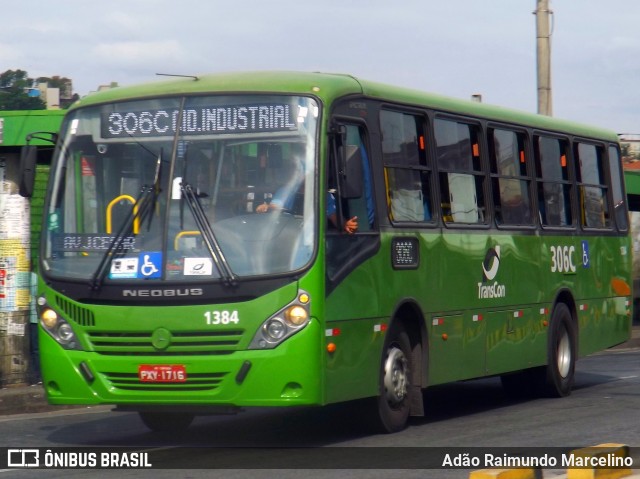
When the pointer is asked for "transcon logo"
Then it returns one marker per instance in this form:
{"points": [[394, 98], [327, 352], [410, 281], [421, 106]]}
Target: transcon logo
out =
{"points": [[487, 288], [162, 293], [491, 264]]}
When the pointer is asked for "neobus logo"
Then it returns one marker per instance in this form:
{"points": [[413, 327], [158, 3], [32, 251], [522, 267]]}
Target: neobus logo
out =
{"points": [[490, 266], [161, 293]]}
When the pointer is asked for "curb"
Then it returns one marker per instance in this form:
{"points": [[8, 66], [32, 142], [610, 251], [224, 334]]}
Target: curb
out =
{"points": [[22, 399]]}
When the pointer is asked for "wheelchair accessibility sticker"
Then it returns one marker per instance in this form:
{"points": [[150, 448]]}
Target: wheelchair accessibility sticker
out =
{"points": [[147, 265], [586, 258]]}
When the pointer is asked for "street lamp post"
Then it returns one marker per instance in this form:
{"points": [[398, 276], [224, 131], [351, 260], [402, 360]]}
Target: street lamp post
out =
{"points": [[543, 40]]}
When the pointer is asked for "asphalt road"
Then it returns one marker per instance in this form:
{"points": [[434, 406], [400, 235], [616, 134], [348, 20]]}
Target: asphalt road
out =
{"points": [[604, 407]]}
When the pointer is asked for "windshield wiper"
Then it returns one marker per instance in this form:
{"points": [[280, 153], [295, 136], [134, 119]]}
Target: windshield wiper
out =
{"points": [[190, 196], [157, 177], [195, 206], [145, 203]]}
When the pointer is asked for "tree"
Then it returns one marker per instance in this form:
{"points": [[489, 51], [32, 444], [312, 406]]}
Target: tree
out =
{"points": [[15, 86], [625, 147]]}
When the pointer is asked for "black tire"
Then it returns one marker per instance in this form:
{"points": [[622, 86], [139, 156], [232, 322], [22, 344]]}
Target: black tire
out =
{"points": [[558, 376], [393, 402], [166, 422]]}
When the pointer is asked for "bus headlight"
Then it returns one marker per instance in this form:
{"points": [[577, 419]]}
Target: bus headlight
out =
{"points": [[58, 328], [275, 329], [49, 318], [296, 315], [283, 324], [65, 333]]}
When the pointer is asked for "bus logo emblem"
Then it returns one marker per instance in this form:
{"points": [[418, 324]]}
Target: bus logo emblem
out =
{"points": [[491, 264], [488, 288], [161, 339]]}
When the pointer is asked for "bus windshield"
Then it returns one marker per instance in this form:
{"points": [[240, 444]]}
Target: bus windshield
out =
{"points": [[183, 189]]}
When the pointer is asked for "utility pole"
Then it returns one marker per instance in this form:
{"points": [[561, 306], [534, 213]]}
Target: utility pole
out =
{"points": [[543, 36]]}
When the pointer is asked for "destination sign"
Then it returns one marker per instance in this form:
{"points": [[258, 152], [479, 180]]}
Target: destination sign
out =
{"points": [[199, 121], [81, 242]]}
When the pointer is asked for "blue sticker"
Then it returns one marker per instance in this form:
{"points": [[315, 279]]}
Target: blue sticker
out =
{"points": [[586, 259], [150, 264]]}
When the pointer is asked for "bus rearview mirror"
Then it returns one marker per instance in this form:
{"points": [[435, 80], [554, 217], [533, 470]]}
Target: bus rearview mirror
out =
{"points": [[28, 161]]}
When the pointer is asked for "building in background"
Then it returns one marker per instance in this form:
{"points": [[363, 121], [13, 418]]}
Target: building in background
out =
{"points": [[630, 150], [56, 92]]}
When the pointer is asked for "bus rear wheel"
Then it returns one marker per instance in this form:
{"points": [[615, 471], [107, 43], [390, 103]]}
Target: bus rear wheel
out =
{"points": [[166, 422], [393, 401], [558, 376]]}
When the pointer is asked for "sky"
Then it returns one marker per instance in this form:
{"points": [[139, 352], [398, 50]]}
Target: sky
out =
{"points": [[456, 48]]}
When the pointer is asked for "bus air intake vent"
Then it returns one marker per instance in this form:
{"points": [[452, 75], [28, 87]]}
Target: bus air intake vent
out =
{"points": [[179, 343], [194, 382], [79, 314]]}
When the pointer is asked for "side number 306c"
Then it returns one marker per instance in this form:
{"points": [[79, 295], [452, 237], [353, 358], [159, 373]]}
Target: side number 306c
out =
{"points": [[222, 317], [562, 259]]}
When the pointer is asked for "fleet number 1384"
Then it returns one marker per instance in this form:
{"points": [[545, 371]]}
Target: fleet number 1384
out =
{"points": [[222, 317]]}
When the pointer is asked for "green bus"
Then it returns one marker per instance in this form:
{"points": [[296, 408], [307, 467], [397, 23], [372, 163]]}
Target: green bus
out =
{"points": [[299, 239]]}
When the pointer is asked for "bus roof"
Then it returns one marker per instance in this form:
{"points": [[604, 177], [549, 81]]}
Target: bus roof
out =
{"points": [[327, 87]]}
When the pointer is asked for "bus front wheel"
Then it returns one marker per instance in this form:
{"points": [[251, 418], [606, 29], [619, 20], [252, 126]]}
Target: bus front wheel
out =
{"points": [[393, 401], [166, 422]]}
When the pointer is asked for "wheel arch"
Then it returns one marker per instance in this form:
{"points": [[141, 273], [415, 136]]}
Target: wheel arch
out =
{"points": [[409, 314], [566, 296]]}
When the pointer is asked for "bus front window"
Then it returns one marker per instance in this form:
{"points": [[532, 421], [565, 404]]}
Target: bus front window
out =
{"points": [[209, 188]]}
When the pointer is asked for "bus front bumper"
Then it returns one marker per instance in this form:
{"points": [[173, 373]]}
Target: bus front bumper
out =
{"points": [[288, 375]]}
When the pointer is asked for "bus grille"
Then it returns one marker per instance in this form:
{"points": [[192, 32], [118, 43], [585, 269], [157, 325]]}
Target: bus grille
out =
{"points": [[80, 315], [194, 382], [182, 343]]}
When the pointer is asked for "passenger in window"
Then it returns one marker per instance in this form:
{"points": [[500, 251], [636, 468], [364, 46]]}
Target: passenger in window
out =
{"points": [[285, 197], [283, 201], [350, 226], [363, 204]]}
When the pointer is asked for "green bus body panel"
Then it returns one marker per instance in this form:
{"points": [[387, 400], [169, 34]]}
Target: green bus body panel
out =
{"points": [[632, 182], [353, 310], [470, 336], [18, 124]]}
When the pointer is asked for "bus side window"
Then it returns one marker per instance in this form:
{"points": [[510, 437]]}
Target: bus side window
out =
{"points": [[406, 171], [461, 176], [592, 191], [554, 183], [510, 182]]}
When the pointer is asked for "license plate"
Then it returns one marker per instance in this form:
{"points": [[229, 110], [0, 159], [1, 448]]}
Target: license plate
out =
{"points": [[162, 373]]}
